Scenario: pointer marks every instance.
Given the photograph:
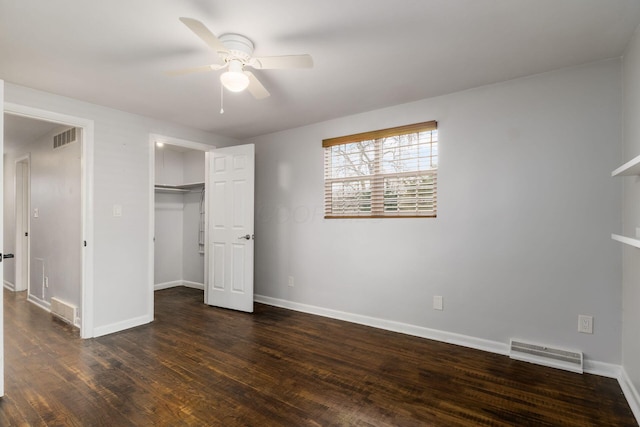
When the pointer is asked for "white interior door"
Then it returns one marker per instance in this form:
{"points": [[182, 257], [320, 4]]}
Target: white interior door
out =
{"points": [[1, 238], [230, 218]]}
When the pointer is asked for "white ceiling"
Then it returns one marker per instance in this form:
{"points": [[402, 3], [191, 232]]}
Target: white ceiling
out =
{"points": [[368, 54]]}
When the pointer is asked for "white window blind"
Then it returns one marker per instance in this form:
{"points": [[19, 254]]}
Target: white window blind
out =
{"points": [[386, 173]]}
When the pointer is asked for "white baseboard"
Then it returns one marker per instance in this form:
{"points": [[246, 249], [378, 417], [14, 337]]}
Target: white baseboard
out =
{"points": [[193, 285], [9, 285], [630, 393], [602, 369], [167, 285], [142, 320], [120, 326], [176, 283], [40, 303], [418, 331]]}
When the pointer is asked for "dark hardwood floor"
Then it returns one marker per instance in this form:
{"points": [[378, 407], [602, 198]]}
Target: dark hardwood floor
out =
{"points": [[197, 365]]}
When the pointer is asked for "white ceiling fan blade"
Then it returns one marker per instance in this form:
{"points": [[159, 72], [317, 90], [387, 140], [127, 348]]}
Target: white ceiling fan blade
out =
{"points": [[203, 32], [201, 69], [255, 87], [281, 62]]}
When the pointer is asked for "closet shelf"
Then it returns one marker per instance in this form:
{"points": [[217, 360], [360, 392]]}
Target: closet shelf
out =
{"points": [[627, 240], [183, 188], [632, 167]]}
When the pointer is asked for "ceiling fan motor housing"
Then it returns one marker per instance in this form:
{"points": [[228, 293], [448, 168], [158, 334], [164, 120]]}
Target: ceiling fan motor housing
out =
{"points": [[240, 47]]}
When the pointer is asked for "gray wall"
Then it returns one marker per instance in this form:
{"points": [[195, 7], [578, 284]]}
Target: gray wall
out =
{"points": [[168, 244], [55, 235], [631, 216], [192, 259], [521, 245]]}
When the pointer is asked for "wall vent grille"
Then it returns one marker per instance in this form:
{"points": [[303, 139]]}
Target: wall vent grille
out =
{"points": [[547, 356], [64, 138], [63, 310]]}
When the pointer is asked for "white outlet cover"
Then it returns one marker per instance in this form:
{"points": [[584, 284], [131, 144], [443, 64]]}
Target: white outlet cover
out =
{"points": [[585, 324], [437, 302]]}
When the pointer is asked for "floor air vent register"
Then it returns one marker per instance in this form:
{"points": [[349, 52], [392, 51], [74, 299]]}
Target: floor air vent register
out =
{"points": [[546, 356], [63, 310]]}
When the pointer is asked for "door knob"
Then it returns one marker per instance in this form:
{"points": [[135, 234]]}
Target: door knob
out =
{"points": [[246, 237]]}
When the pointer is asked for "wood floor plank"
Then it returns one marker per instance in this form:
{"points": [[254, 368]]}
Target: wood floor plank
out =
{"points": [[197, 365]]}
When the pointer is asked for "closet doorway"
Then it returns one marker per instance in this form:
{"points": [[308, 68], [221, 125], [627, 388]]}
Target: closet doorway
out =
{"points": [[217, 223], [177, 223]]}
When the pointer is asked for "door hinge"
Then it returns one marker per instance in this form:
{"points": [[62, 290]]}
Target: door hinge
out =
{"points": [[85, 243], [26, 234]]}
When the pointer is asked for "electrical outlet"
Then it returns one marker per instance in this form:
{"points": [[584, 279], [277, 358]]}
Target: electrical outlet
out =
{"points": [[437, 302], [585, 324], [46, 281], [291, 281]]}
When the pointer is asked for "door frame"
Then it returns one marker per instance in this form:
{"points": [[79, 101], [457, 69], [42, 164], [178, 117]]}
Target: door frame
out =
{"points": [[86, 202], [169, 140], [22, 217]]}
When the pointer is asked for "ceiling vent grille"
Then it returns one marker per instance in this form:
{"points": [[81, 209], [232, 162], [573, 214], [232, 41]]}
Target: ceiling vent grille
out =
{"points": [[547, 356], [64, 138]]}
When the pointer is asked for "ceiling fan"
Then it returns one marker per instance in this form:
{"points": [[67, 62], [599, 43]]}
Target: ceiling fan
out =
{"points": [[236, 53]]}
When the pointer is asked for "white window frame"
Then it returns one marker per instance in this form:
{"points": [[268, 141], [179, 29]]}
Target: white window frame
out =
{"points": [[363, 162]]}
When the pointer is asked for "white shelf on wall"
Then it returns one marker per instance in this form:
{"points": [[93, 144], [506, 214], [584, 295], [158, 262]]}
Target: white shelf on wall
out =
{"points": [[183, 188], [632, 167], [626, 240]]}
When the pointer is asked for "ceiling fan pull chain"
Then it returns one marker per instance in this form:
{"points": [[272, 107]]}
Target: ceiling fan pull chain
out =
{"points": [[221, 99]]}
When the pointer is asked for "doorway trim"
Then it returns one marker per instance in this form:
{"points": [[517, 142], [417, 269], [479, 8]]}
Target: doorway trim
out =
{"points": [[86, 194], [169, 140], [22, 182]]}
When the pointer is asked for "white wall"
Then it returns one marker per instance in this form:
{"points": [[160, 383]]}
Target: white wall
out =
{"points": [[521, 245], [121, 176], [193, 260], [169, 170], [631, 217], [193, 166], [55, 235], [169, 218]]}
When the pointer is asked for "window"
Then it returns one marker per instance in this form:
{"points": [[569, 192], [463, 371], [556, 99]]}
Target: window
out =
{"points": [[385, 173]]}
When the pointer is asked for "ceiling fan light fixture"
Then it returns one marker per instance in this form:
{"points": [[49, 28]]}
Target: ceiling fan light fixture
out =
{"points": [[235, 81]]}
